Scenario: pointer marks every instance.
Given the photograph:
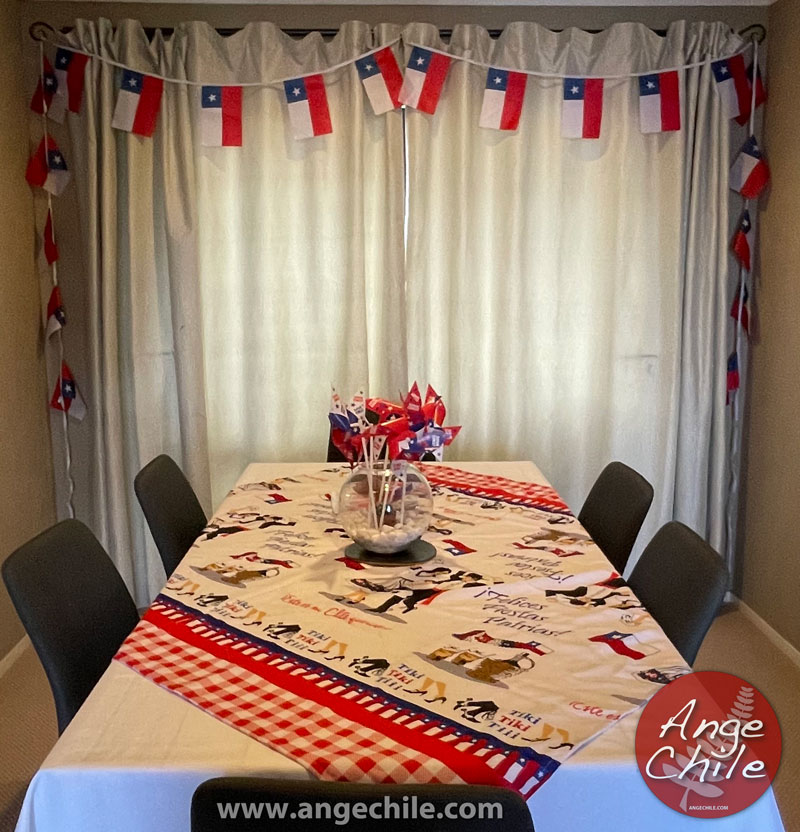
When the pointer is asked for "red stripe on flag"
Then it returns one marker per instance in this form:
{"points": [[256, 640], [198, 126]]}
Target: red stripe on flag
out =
{"points": [[592, 108], [144, 122], [318, 105], [434, 81], [231, 116], [512, 105], [756, 182], [741, 84], [37, 170], [392, 77], [75, 76], [669, 87]]}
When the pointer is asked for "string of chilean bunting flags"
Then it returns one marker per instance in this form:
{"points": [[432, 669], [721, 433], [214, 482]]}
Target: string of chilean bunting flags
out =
{"points": [[387, 88]]}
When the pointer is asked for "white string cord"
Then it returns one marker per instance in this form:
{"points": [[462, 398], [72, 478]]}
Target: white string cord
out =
{"points": [[342, 64], [54, 282], [187, 82]]}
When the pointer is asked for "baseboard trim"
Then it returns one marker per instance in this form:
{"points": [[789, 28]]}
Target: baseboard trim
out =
{"points": [[788, 649], [7, 662]]}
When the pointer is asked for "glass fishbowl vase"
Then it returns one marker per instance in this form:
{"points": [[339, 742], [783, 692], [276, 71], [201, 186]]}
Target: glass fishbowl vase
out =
{"points": [[385, 506]]}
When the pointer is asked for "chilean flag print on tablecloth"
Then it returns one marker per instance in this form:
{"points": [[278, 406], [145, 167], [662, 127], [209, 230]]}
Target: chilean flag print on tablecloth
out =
{"points": [[502, 99], [425, 76], [307, 102], [742, 243], [221, 116], [47, 167], [45, 98], [56, 318], [70, 72], [138, 103], [582, 108], [750, 172], [382, 80], [659, 102], [66, 396]]}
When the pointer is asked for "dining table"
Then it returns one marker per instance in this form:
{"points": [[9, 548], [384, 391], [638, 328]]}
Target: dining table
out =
{"points": [[516, 657]]}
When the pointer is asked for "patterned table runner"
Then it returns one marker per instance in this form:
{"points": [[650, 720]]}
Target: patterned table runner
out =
{"points": [[492, 663]]}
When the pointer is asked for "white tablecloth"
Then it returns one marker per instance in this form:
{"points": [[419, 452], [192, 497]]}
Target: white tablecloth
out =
{"points": [[133, 755]]}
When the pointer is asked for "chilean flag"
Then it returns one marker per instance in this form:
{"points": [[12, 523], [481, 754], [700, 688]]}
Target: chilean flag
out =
{"points": [[47, 168], [733, 376], [221, 116], [308, 106], [750, 173], [582, 109], [70, 73], [425, 76], [382, 80], [659, 102], [66, 396], [761, 94], [49, 246], [742, 243], [138, 103], [56, 318], [502, 99], [46, 99], [733, 86], [745, 317]]}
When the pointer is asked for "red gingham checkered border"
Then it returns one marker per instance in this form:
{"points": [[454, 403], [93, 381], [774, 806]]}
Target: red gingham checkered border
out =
{"points": [[334, 732], [531, 494]]}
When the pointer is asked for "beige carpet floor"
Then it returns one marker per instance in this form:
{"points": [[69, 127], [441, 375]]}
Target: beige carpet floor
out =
{"points": [[734, 645]]}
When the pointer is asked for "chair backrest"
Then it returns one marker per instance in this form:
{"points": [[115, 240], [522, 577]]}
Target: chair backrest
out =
{"points": [[171, 508], [615, 510], [339, 799], [74, 607], [681, 581]]}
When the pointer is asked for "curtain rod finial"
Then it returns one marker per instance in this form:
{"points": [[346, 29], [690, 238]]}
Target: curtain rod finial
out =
{"points": [[754, 32], [40, 31]]}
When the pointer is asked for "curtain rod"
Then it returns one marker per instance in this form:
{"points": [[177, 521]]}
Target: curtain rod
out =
{"points": [[38, 31]]}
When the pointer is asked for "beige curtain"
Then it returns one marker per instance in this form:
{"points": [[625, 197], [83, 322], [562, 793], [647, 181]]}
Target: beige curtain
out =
{"points": [[226, 288], [570, 297]]}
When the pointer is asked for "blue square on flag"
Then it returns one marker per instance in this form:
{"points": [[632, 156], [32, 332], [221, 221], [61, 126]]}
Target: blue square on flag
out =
{"points": [[649, 85], [420, 58], [367, 67], [295, 90], [212, 97], [497, 79], [63, 58], [721, 70], [131, 81], [55, 160], [574, 89]]}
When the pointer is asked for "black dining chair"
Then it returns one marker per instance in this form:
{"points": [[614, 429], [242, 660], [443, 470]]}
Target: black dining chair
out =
{"points": [[171, 508], [74, 606], [333, 805], [681, 581], [615, 510]]}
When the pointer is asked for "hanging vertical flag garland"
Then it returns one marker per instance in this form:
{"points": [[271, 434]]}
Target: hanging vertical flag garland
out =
{"points": [[582, 108], [659, 102], [221, 116], [503, 99], [138, 103], [307, 103], [425, 75], [381, 77]]}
